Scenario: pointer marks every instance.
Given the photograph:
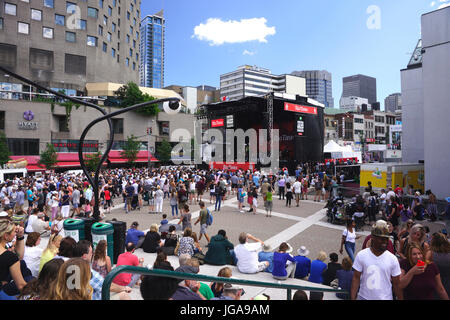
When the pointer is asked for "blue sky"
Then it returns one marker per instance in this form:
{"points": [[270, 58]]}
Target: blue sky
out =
{"points": [[206, 38]]}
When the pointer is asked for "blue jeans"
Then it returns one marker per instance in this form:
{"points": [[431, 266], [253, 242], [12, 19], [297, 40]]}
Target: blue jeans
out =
{"points": [[350, 248], [174, 208], [218, 201]]}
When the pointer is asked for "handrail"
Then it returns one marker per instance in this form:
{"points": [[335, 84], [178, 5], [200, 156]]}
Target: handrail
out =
{"points": [[189, 276]]}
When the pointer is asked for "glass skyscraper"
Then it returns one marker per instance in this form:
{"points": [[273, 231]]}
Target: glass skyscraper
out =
{"points": [[152, 51], [319, 85]]}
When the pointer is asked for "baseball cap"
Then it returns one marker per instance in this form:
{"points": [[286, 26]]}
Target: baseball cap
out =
{"points": [[380, 231]]}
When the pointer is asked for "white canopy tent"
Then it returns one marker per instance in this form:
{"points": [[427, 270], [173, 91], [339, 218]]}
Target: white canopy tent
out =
{"points": [[338, 152]]}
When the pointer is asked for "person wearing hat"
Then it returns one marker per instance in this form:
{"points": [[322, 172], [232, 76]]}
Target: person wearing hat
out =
{"points": [[231, 292], [303, 264], [135, 236], [266, 255], [41, 226], [283, 263], [376, 270]]}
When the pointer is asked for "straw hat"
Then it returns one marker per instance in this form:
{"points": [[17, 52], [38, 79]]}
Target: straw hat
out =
{"points": [[267, 248], [303, 251]]}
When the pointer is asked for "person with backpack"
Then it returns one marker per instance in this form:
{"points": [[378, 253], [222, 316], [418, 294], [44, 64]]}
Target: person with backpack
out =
{"points": [[218, 194], [205, 220], [318, 185], [372, 208]]}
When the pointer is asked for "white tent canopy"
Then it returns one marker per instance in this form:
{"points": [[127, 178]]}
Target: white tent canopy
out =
{"points": [[338, 152], [331, 147]]}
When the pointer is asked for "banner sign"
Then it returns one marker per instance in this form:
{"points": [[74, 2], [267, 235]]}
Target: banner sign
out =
{"points": [[299, 108]]}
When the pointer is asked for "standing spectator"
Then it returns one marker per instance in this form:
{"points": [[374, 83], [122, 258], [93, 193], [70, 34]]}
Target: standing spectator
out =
{"points": [[108, 200], [203, 219], [419, 279], [20, 201], [281, 186], [174, 203], [219, 195], [376, 263], [349, 238], [129, 194], [439, 253], [82, 291], [318, 267], [247, 254], [159, 199], [101, 262], [288, 194], [332, 267], [318, 185], [344, 277], [418, 210], [240, 197], [268, 202], [297, 190], [219, 250], [283, 263], [33, 253], [128, 259], [76, 197], [185, 219], [418, 236]]}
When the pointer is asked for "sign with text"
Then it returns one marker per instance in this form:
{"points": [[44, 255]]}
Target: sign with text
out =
{"points": [[230, 121], [217, 123], [299, 108]]}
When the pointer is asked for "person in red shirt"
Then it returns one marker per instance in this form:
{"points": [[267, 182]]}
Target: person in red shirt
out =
{"points": [[398, 191], [128, 259], [108, 201]]}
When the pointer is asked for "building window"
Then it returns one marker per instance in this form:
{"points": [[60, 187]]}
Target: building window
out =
{"points": [[92, 12], [1, 23], [100, 3], [23, 28], [117, 126], [82, 24], [100, 30], [49, 3], [105, 20], [113, 52], [75, 64], [127, 62], [63, 124], [47, 33], [91, 41], [36, 15], [60, 20], [2, 120], [10, 9], [108, 37], [113, 27], [71, 7], [71, 36], [110, 11], [23, 147], [105, 47]]}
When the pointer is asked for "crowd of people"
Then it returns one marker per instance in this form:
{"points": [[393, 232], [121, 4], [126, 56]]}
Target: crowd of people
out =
{"points": [[407, 256]]}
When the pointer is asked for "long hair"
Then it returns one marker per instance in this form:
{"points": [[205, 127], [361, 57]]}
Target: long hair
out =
{"points": [[100, 251], [73, 281], [51, 244], [439, 243], [412, 246], [66, 247], [6, 226], [43, 286]]}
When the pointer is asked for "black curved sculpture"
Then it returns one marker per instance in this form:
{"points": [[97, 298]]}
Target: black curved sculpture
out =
{"points": [[173, 104]]}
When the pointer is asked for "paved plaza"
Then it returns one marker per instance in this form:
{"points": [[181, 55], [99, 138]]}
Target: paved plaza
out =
{"points": [[305, 225]]}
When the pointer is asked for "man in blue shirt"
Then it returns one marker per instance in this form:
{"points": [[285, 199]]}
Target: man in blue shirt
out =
{"points": [[129, 191], [135, 236]]}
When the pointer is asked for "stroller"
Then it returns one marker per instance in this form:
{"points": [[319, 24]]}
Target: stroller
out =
{"points": [[335, 210]]}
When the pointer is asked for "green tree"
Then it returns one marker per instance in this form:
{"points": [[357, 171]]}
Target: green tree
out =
{"points": [[164, 151], [4, 151], [130, 95], [92, 160], [131, 149], [48, 157]]}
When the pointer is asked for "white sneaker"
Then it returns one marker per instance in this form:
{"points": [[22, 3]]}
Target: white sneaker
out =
{"points": [[241, 211]]}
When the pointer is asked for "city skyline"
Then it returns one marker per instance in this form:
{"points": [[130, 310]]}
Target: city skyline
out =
{"points": [[277, 37]]}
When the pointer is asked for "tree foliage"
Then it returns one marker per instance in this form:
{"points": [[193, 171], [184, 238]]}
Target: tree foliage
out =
{"points": [[48, 157], [131, 149], [164, 151], [92, 160], [4, 151], [130, 95]]}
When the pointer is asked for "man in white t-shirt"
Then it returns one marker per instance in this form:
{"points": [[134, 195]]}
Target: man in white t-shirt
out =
{"points": [[297, 190], [390, 195], [247, 254], [374, 268]]}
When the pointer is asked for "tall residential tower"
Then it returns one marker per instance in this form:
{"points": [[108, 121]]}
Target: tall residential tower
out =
{"points": [[152, 51]]}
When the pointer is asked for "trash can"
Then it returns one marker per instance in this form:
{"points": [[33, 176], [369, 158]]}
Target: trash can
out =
{"points": [[103, 231], [88, 222], [120, 233], [74, 228]]}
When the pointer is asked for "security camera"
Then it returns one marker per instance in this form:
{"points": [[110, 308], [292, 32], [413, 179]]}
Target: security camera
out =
{"points": [[172, 107]]}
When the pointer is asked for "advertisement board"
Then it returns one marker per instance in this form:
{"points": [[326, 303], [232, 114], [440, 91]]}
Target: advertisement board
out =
{"points": [[299, 108]]}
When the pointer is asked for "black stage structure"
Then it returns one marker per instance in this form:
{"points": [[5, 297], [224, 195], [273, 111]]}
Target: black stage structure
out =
{"points": [[300, 122]]}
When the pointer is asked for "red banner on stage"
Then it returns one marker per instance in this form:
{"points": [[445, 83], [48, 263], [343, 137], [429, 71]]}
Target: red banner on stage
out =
{"points": [[299, 108], [217, 123]]}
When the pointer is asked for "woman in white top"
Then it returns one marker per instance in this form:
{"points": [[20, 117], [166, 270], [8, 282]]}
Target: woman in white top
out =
{"points": [[191, 190], [33, 253], [348, 239]]}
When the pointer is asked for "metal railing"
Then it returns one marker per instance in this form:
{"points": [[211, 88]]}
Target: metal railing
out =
{"points": [[189, 276]]}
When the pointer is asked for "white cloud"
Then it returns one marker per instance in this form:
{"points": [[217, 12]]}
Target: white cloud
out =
{"points": [[432, 4], [248, 53], [444, 5], [218, 32]]}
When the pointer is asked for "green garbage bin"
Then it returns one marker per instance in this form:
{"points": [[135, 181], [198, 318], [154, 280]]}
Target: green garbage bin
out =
{"points": [[103, 231], [74, 228]]}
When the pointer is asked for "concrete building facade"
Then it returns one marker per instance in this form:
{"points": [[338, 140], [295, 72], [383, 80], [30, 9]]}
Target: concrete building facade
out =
{"points": [[360, 86], [393, 102], [64, 45]]}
